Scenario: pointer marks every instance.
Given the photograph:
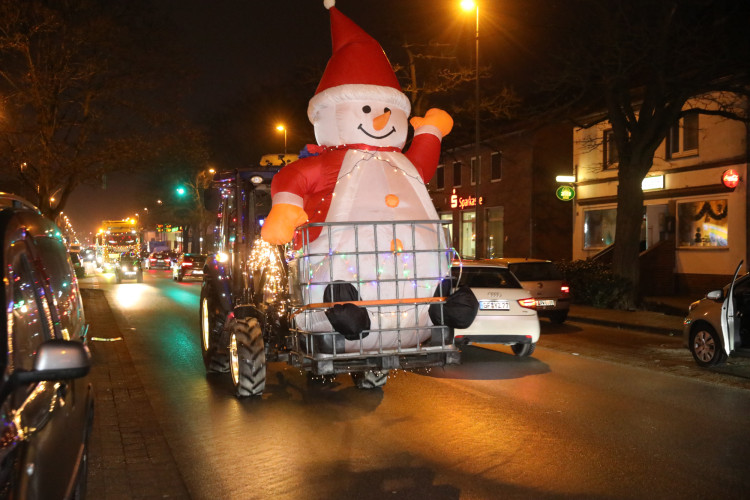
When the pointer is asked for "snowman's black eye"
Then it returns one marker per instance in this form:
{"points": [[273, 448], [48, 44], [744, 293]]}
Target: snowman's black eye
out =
{"points": [[386, 110], [366, 109]]}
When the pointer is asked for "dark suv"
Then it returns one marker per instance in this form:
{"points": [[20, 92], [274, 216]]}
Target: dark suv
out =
{"points": [[188, 265], [129, 267], [46, 404]]}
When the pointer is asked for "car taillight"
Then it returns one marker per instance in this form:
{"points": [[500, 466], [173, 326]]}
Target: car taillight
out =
{"points": [[152, 260], [564, 288], [527, 303]]}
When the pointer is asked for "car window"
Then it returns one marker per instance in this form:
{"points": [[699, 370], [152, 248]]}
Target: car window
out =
{"points": [[59, 272], [485, 277], [31, 322], [56, 265], [535, 271]]}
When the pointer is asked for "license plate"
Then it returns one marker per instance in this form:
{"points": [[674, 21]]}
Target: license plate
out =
{"points": [[546, 303], [197, 272], [494, 305]]}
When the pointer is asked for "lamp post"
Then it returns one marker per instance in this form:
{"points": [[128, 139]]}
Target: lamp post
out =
{"points": [[282, 128], [472, 5]]}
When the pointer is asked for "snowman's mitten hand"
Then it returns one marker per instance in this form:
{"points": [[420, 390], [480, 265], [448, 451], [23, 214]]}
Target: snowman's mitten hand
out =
{"points": [[281, 222], [435, 117]]}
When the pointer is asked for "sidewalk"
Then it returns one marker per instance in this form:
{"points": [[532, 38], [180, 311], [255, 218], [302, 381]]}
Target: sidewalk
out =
{"points": [[129, 458], [664, 315]]}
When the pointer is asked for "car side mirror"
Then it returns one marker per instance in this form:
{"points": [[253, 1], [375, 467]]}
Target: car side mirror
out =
{"points": [[717, 295], [56, 360]]}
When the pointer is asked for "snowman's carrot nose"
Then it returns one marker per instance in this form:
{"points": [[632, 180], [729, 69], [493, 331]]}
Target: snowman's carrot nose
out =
{"points": [[381, 121]]}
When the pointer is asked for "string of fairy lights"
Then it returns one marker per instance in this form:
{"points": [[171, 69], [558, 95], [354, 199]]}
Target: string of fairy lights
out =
{"points": [[68, 232], [365, 156]]}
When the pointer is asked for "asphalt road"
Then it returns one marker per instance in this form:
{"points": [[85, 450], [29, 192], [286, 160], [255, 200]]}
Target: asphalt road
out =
{"points": [[595, 413]]}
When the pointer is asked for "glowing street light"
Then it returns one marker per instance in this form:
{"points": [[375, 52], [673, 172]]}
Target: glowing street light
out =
{"points": [[282, 128], [469, 6]]}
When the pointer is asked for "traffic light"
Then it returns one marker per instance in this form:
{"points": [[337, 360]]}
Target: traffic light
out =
{"points": [[180, 191]]}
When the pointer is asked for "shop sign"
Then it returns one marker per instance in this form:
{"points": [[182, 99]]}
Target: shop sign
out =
{"points": [[730, 178], [461, 202], [168, 228], [566, 193]]}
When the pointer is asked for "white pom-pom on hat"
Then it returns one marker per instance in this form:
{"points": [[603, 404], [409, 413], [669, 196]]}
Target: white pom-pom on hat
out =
{"points": [[329, 3]]}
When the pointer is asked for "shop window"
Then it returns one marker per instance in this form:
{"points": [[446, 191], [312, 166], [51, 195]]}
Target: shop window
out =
{"points": [[476, 165], [448, 216], [703, 223], [496, 166], [468, 234], [599, 227], [457, 174], [611, 155], [440, 177], [494, 220], [682, 139]]}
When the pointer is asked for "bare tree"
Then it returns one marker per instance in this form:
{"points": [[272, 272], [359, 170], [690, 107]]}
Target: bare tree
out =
{"points": [[77, 98], [644, 63]]}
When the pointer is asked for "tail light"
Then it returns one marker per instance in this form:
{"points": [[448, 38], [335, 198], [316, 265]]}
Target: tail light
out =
{"points": [[565, 288], [528, 303]]}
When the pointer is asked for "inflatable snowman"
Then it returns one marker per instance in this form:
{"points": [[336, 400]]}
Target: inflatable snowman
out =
{"points": [[356, 181]]}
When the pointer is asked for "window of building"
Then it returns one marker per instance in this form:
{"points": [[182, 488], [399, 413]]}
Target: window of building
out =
{"points": [[476, 165], [495, 235], [682, 139], [496, 166], [599, 227], [611, 155], [448, 216], [468, 234], [703, 223], [457, 174], [440, 177]]}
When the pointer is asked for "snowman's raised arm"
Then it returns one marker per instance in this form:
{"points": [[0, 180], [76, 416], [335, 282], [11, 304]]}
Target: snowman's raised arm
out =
{"points": [[429, 131]]}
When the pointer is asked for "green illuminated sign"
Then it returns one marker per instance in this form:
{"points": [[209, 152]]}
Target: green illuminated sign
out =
{"points": [[566, 193]]}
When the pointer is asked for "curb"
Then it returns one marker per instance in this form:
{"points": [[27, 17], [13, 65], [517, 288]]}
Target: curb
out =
{"points": [[661, 330]]}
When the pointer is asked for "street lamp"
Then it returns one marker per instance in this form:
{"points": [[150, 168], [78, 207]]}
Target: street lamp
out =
{"points": [[471, 5], [282, 128]]}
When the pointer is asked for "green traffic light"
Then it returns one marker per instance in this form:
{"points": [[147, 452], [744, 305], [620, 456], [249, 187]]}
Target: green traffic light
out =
{"points": [[181, 191]]}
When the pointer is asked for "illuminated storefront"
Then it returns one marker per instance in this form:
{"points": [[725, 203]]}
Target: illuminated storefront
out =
{"points": [[695, 202]]}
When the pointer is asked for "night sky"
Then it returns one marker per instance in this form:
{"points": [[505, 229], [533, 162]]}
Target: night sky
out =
{"points": [[234, 45]]}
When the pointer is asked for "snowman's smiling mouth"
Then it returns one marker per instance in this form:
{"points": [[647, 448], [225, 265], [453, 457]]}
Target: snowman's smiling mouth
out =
{"points": [[393, 129]]}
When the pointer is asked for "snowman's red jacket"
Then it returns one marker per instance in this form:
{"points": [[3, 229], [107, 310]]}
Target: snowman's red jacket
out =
{"points": [[311, 180]]}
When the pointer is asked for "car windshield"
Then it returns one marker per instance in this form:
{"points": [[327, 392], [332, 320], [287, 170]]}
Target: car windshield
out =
{"points": [[535, 271], [485, 277]]}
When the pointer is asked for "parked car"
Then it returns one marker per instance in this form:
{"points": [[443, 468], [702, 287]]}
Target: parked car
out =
{"points": [[128, 267], [75, 259], [507, 312], [188, 265], [46, 400], [545, 283], [159, 260], [718, 325]]}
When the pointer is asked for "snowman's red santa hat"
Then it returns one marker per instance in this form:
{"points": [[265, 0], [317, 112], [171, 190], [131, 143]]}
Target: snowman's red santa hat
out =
{"points": [[357, 70]]}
